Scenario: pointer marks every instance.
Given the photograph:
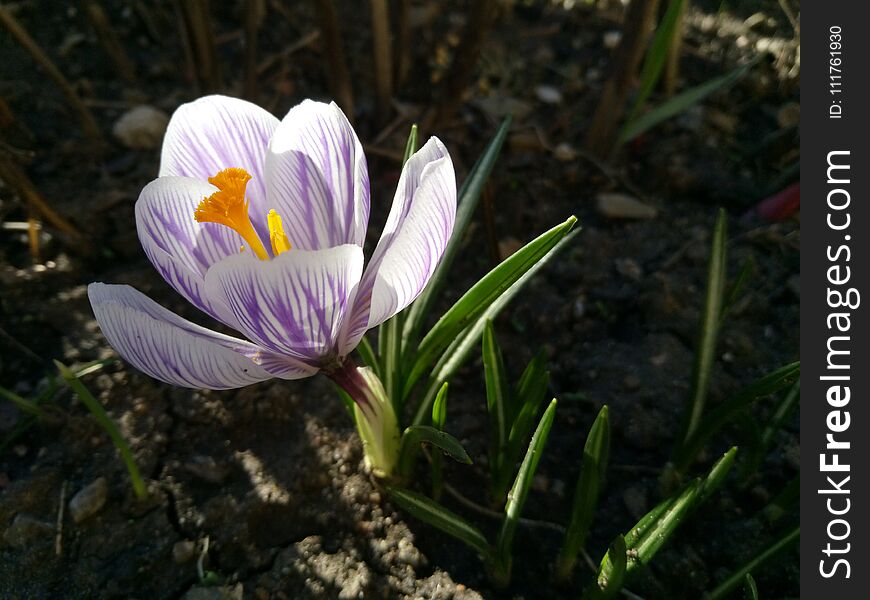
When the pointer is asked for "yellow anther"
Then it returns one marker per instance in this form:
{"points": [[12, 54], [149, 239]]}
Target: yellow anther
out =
{"points": [[228, 207], [280, 243]]}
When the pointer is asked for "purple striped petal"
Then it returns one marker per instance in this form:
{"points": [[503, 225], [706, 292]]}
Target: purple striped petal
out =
{"points": [[217, 132], [417, 230], [317, 178], [180, 248], [174, 350], [294, 304]]}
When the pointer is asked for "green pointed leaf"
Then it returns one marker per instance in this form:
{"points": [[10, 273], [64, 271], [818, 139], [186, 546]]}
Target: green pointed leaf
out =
{"points": [[657, 55], [439, 408], [520, 491], [23, 404], [460, 348], [728, 410], [679, 104], [419, 434], [611, 572], [369, 358], [716, 477], [750, 590], [596, 453], [438, 516], [411, 145], [99, 413], [782, 543], [497, 395], [468, 197], [476, 300], [710, 319]]}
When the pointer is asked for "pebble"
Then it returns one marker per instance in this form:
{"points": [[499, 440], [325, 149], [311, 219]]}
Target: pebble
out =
{"points": [[629, 268], [622, 206], [89, 500], [25, 529], [207, 469], [141, 127], [548, 94], [565, 152], [611, 39], [183, 551]]}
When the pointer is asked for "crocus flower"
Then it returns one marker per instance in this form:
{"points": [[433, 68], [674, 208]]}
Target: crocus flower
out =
{"points": [[260, 223]]}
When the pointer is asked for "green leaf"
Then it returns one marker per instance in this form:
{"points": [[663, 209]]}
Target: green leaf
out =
{"points": [[679, 104], [530, 396], [468, 197], [411, 145], [716, 476], [611, 572], [784, 501], [438, 516], [439, 408], [784, 542], [369, 358], [518, 494], [439, 418], [725, 412], [750, 590], [419, 434], [657, 55], [107, 424], [706, 352], [483, 301], [784, 408], [23, 404], [497, 395], [596, 454]]}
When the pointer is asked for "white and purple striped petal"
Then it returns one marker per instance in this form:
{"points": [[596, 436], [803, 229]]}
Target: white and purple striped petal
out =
{"points": [[294, 304], [180, 248], [133, 323], [317, 178], [214, 133], [415, 235]]}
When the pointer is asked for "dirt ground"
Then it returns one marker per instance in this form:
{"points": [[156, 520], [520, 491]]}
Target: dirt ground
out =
{"points": [[271, 475]]}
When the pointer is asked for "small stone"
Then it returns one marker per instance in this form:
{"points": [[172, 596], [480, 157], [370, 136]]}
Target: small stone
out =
{"points": [[611, 39], [628, 268], [565, 152], [548, 94], [622, 206], [25, 529], [20, 450], [89, 500], [183, 551], [141, 127], [207, 469]]}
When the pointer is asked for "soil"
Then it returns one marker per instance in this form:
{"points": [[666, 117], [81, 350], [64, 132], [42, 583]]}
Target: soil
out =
{"points": [[264, 488]]}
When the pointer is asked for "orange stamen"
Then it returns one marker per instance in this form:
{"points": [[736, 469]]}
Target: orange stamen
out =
{"points": [[228, 207]]}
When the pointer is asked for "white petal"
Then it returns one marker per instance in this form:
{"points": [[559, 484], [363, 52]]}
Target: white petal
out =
{"points": [[169, 348], [294, 304], [217, 132], [417, 230], [317, 178]]}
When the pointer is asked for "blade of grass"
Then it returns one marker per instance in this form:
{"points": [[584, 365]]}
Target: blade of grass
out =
{"points": [[517, 496], [367, 353], [750, 590], [469, 195], [419, 434], [458, 351], [107, 424], [596, 453], [679, 104], [705, 354], [657, 55], [497, 396], [23, 404], [780, 544], [434, 514], [725, 413], [439, 418], [611, 572]]}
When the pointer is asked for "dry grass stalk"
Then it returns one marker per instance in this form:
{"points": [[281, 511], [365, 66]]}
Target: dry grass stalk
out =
{"points": [[383, 58], [88, 123], [639, 19], [33, 228], [110, 42], [18, 180], [200, 41], [335, 64], [403, 41], [671, 75], [255, 10], [464, 63]]}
